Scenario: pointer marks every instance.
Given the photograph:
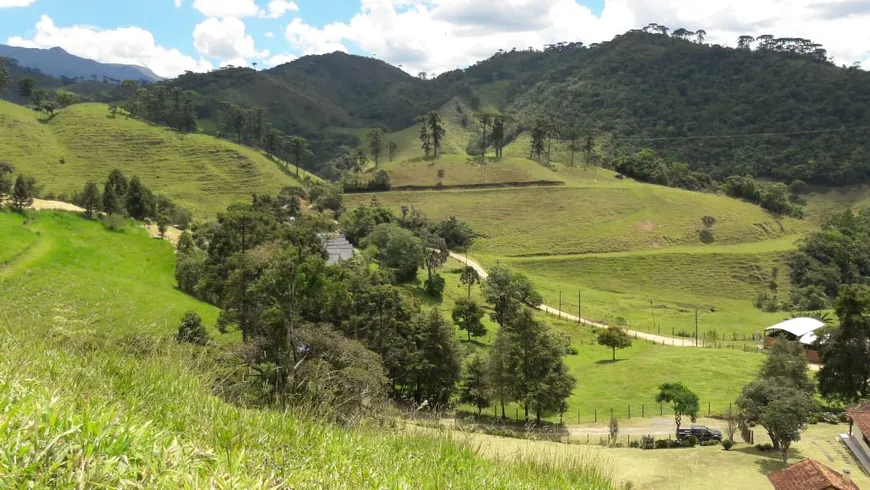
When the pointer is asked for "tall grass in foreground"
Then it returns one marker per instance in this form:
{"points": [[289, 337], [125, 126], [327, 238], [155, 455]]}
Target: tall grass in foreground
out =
{"points": [[85, 409]]}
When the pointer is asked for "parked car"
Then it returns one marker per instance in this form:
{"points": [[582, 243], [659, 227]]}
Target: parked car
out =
{"points": [[703, 433]]}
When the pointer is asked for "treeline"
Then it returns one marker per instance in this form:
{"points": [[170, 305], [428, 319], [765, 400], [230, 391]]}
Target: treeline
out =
{"points": [[647, 166], [171, 107]]}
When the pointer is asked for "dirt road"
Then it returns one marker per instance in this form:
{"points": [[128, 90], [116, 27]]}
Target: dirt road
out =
{"points": [[658, 339]]}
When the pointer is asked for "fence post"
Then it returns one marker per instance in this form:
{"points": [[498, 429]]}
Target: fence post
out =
{"points": [[596, 415], [578, 416], [629, 411], [518, 414], [587, 439], [628, 440], [661, 409], [642, 410], [708, 409]]}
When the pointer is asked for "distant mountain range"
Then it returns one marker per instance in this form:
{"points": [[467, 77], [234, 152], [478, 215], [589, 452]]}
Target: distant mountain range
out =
{"points": [[59, 63]]}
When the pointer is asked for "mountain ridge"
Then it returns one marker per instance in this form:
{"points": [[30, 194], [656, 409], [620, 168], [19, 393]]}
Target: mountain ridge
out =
{"points": [[59, 63]]}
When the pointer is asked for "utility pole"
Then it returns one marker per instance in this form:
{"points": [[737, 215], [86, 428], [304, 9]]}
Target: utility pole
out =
{"points": [[652, 312], [696, 327]]}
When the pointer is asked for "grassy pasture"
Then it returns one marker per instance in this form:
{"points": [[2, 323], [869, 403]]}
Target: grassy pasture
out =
{"points": [[82, 143]]}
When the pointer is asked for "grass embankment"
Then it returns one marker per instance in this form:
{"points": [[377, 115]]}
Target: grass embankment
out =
{"points": [[95, 393], [83, 143]]}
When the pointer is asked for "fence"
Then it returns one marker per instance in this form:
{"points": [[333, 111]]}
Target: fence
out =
{"points": [[627, 412]]}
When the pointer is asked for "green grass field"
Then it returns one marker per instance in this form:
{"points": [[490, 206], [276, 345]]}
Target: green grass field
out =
{"points": [[96, 393], [82, 143]]}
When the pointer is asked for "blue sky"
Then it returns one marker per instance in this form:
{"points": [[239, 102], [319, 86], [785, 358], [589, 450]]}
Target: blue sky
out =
{"points": [[171, 36]]}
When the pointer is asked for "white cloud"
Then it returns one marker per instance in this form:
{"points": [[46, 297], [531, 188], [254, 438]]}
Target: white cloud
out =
{"points": [[278, 8], [227, 8], [439, 35], [126, 45], [269, 35], [177, 4], [280, 59], [226, 39], [15, 3]]}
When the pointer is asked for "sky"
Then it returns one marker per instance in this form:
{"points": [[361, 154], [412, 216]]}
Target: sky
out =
{"points": [[432, 36]]}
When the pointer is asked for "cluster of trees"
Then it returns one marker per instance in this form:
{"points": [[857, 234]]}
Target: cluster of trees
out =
{"points": [[525, 363], [845, 351], [158, 104], [128, 197], [403, 244], [780, 399], [837, 255], [41, 99], [343, 335], [19, 192], [432, 133]]}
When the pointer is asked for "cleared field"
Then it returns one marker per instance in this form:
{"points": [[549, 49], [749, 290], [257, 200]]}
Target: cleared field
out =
{"points": [[593, 219], [82, 143]]}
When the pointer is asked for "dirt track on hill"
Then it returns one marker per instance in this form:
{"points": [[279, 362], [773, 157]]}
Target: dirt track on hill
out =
{"points": [[658, 339], [43, 205]]}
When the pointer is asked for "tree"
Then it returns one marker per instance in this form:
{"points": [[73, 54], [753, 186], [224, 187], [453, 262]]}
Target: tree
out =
{"points": [[508, 293], [65, 98], [434, 258], [785, 417], [22, 194], [425, 135], [498, 378], [435, 375], [588, 148], [139, 202], [91, 199], [299, 150], [845, 372], [192, 330], [436, 130], [162, 225], [682, 399], [708, 221], [26, 87], [5, 80], [375, 139], [467, 315], [469, 278], [615, 338], [473, 387], [787, 365], [398, 249], [392, 147], [6, 171], [745, 42], [498, 134], [485, 119], [700, 35], [361, 161]]}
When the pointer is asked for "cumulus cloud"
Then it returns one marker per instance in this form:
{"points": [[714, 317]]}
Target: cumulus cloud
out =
{"points": [[15, 3], [277, 8], [280, 59], [126, 45], [227, 8], [439, 35], [226, 39], [177, 4], [269, 35]]}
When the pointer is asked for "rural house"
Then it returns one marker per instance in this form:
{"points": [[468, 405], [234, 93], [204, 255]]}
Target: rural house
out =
{"points": [[337, 248], [799, 329], [810, 475]]}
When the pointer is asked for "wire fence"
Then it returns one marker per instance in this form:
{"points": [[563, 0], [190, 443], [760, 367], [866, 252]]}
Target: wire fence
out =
{"points": [[625, 412]]}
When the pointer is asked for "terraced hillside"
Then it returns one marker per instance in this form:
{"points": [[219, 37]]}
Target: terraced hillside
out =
{"points": [[83, 143], [97, 391]]}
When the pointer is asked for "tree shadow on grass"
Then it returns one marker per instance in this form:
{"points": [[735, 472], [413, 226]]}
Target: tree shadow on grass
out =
{"points": [[609, 361], [768, 461]]}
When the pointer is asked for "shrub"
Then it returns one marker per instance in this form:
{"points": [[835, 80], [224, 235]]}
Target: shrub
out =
{"points": [[712, 442], [435, 287], [813, 418], [115, 222], [766, 447], [830, 418], [648, 442], [843, 418], [727, 444], [634, 444], [662, 444], [692, 440], [192, 330]]}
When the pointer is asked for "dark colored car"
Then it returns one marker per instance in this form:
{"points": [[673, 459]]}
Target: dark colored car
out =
{"points": [[703, 433]]}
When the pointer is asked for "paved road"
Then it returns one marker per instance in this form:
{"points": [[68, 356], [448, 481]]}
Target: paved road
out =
{"points": [[658, 339]]}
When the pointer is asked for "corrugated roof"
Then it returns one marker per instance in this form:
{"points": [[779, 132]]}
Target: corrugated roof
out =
{"points": [[809, 475], [802, 328]]}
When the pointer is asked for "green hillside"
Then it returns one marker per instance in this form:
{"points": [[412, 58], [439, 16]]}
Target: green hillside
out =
{"points": [[82, 143], [96, 391]]}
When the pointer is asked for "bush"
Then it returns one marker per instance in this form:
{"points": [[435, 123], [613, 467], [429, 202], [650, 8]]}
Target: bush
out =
{"points": [[692, 440], [843, 418], [634, 444], [648, 442], [766, 447], [662, 444], [115, 222], [830, 418], [435, 287], [727, 444], [192, 330], [712, 442], [813, 418]]}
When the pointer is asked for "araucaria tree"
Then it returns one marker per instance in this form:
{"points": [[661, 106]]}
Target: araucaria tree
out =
{"points": [[469, 278], [508, 293], [498, 134], [392, 147], [845, 372], [485, 119], [299, 150], [425, 135], [375, 139], [22, 194], [682, 400], [780, 398], [91, 199], [615, 338], [5, 80], [436, 130]]}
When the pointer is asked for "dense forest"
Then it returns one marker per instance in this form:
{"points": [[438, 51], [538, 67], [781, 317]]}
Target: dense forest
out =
{"points": [[770, 107]]}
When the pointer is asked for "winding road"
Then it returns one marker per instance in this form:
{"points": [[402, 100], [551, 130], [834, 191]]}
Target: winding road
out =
{"points": [[658, 339]]}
